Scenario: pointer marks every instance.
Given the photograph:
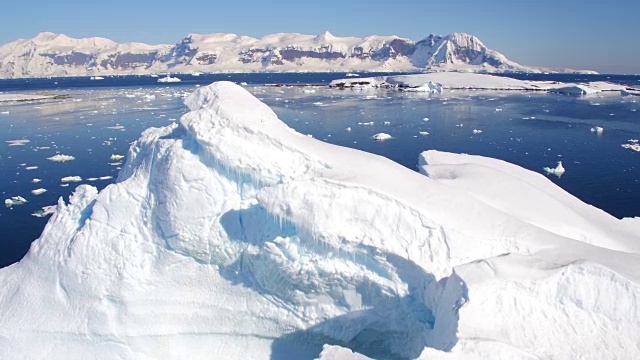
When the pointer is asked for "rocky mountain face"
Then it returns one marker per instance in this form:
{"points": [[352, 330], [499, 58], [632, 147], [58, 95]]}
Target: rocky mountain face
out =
{"points": [[50, 54]]}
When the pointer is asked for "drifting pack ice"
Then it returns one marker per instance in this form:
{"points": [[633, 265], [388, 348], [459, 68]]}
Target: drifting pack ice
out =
{"points": [[229, 235]]}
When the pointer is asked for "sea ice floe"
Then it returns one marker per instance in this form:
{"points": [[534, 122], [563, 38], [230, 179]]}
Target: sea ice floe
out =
{"points": [[67, 179], [558, 170], [116, 127], [423, 133], [30, 167], [45, 211], [38, 191], [36, 180], [366, 123], [348, 129], [597, 129], [381, 136], [61, 158], [387, 123], [477, 131], [118, 163], [18, 142], [116, 157], [14, 200], [108, 177], [425, 119]]}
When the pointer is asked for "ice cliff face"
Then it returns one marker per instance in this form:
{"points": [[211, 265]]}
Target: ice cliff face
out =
{"points": [[51, 54], [228, 235]]}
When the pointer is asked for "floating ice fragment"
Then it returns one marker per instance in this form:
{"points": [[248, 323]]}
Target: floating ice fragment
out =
{"points": [[425, 119], [632, 145], [67, 179], [31, 167], [61, 158], [14, 200], [381, 137], [19, 142], [116, 127], [423, 133], [116, 157], [558, 170], [477, 131], [348, 129], [38, 191], [116, 163], [45, 211], [108, 177], [387, 123], [366, 123], [36, 180], [599, 130]]}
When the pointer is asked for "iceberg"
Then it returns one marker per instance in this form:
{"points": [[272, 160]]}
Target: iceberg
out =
{"points": [[381, 137], [558, 170], [61, 158], [14, 200], [229, 235], [38, 191], [169, 79]]}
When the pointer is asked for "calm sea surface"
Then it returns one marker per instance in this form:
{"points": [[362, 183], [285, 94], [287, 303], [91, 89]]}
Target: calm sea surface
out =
{"points": [[101, 118]]}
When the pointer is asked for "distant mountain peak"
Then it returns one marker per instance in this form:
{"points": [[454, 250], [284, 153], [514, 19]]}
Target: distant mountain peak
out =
{"points": [[324, 37]]}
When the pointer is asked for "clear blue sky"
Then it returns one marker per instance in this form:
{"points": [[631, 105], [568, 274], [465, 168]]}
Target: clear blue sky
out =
{"points": [[583, 34]]}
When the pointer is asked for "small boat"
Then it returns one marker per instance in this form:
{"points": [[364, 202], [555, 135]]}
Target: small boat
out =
{"points": [[168, 79]]}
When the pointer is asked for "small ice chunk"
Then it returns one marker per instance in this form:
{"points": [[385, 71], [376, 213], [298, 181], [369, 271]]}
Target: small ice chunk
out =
{"points": [[45, 211], [61, 158], [425, 119], [366, 123], [108, 177], [31, 167], [599, 130], [558, 170], [477, 131], [348, 129], [381, 137], [387, 123], [67, 179], [632, 145], [19, 142], [116, 127], [36, 180], [117, 157], [423, 133], [14, 200], [38, 191]]}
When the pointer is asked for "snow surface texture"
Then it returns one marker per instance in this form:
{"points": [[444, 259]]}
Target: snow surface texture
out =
{"points": [[229, 235], [436, 82], [50, 54]]}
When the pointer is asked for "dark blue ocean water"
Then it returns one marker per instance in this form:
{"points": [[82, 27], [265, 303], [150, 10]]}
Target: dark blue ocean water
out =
{"points": [[534, 130]]}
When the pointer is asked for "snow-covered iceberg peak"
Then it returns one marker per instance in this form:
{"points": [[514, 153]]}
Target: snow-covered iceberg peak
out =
{"points": [[229, 235], [245, 135]]}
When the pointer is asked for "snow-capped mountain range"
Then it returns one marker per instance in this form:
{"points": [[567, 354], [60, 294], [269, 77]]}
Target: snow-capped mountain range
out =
{"points": [[50, 54]]}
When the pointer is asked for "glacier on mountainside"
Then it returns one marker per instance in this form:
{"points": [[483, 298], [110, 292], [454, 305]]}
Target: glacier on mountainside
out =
{"points": [[229, 235]]}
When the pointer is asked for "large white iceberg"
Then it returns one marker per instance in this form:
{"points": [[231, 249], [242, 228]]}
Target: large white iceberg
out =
{"points": [[229, 235]]}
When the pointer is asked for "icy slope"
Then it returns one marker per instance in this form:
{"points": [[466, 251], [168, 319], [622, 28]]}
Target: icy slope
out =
{"points": [[228, 235]]}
